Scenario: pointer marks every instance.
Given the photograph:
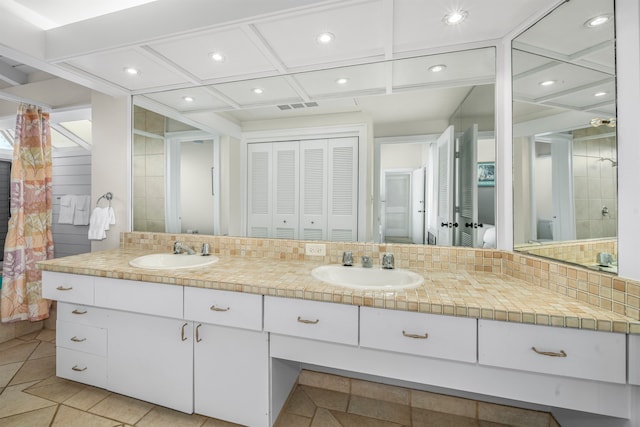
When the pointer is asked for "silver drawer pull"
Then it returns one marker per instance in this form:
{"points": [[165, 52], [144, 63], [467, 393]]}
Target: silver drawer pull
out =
{"points": [[417, 336], [550, 353], [214, 308], [76, 311], [76, 339], [75, 368], [63, 288], [308, 322]]}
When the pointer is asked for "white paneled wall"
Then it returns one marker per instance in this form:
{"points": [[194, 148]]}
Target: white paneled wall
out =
{"points": [[71, 175]]}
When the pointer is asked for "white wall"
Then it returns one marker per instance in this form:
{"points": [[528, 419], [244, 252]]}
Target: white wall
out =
{"points": [[111, 167], [628, 75]]}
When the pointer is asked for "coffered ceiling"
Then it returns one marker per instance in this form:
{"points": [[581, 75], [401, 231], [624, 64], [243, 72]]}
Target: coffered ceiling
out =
{"points": [[57, 62]]}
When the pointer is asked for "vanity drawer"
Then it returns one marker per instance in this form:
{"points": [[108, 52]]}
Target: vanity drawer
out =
{"points": [[67, 287], [74, 336], [81, 367], [83, 314], [311, 319], [139, 297], [223, 308], [453, 338], [569, 352]]}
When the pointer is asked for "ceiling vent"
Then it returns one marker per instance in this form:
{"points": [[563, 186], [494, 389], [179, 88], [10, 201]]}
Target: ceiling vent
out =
{"points": [[297, 106]]}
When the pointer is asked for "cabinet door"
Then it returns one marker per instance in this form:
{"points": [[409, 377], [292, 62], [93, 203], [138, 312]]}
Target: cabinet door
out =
{"points": [[313, 189], [231, 375], [259, 199], [151, 358], [343, 189], [285, 190]]}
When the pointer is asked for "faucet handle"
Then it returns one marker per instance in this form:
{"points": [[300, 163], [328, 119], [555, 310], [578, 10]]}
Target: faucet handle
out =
{"points": [[367, 262], [177, 247], [205, 251], [387, 261], [347, 258]]}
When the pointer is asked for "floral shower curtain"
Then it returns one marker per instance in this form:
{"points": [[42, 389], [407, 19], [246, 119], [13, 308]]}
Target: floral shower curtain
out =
{"points": [[29, 238]]}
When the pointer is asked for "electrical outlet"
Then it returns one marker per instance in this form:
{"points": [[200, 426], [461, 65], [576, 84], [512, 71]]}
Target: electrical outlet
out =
{"points": [[315, 249]]}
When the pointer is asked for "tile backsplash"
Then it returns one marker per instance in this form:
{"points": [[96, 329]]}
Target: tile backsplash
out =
{"points": [[609, 292]]}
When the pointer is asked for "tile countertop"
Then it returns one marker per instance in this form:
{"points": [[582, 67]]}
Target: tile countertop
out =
{"points": [[461, 293]]}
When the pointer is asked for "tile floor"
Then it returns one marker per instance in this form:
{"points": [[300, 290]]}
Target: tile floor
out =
{"points": [[32, 396]]}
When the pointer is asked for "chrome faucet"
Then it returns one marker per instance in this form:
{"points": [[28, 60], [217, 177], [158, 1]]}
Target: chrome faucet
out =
{"points": [[347, 258], [367, 262], [205, 251], [387, 261], [179, 248]]}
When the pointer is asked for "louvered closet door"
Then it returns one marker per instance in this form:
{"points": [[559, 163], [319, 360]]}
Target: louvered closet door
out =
{"points": [[343, 189], [285, 190], [259, 203], [313, 189]]}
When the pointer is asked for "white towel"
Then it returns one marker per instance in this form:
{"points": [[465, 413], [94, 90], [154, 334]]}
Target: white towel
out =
{"points": [[99, 223], [67, 209], [81, 214]]}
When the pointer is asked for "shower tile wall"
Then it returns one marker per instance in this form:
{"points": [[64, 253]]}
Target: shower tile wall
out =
{"points": [[148, 167], [595, 182]]}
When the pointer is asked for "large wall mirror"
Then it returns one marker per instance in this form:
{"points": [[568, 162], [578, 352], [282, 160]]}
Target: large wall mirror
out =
{"points": [[564, 110], [202, 155]]}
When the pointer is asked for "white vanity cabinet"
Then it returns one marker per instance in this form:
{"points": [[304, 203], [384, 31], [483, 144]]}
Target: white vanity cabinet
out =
{"points": [[634, 359], [590, 355], [337, 323], [81, 344], [151, 358], [446, 337], [231, 355]]}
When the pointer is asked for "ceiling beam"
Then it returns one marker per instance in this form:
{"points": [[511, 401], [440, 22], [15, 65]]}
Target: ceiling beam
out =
{"points": [[12, 75]]}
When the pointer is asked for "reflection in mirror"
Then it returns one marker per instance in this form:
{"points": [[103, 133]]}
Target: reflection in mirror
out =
{"points": [[565, 176], [401, 109]]}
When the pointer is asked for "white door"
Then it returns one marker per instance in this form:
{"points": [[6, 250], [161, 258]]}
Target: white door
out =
{"points": [[342, 187], [285, 190], [418, 206], [468, 186], [231, 374], [397, 198], [313, 190], [151, 358], [445, 187], [564, 220], [259, 197]]}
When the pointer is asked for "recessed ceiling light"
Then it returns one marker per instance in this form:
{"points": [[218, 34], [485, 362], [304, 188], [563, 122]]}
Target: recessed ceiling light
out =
{"points": [[188, 98], [325, 38], [455, 17], [547, 83], [600, 94], [217, 56], [257, 90], [597, 21], [437, 68], [132, 71], [342, 81]]}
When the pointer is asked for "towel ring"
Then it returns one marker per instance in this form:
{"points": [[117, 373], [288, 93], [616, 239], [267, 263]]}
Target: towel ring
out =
{"points": [[107, 196]]}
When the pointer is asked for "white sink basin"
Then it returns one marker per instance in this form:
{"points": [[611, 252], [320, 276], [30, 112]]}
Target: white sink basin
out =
{"points": [[172, 261], [367, 278]]}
